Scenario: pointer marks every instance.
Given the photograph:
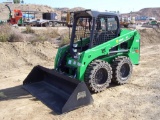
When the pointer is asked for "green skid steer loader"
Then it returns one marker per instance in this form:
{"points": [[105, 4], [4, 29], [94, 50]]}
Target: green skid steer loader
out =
{"points": [[99, 53]]}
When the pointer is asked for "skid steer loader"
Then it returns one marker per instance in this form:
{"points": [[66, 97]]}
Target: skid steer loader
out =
{"points": [[99, 52]]}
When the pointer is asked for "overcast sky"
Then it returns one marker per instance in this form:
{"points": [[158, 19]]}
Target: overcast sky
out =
{"points": [[111, 5]]}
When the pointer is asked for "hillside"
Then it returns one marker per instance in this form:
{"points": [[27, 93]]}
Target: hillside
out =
{"points": [[31, 7], [68, 9], [150, 12], [154, 12], [4, 12]]}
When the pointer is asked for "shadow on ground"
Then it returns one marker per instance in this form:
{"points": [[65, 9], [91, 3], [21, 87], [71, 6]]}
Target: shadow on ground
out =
{"points": [[16, 92]]}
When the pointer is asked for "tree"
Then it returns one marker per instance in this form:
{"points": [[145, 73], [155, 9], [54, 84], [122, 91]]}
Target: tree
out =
{"points": [[16, 1]]}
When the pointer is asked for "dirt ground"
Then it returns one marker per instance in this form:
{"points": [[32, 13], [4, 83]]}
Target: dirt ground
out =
{"points": [[137, 100]]}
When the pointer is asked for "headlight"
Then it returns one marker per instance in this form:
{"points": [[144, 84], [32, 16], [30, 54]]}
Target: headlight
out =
{"points": [[75, 45]]}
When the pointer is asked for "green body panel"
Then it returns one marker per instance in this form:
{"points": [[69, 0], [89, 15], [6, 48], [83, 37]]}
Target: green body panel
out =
{"points": [[1, 22], [153, 22], [132, 39], [61, 51], [20, 22]]}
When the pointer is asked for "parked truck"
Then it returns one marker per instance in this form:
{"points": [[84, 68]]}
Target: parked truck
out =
{"points": [[47, 20]]}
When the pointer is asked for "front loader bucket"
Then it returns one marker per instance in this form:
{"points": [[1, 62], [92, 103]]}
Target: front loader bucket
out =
{"points": [[59, 92]]}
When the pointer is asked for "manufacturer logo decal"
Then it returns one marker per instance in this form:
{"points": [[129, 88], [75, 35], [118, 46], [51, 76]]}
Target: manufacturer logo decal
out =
{"points": [[81, 95]]}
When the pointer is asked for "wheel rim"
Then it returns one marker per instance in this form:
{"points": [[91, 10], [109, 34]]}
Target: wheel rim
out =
{"points": [[125, 70], [101, 76], [50, 24]]}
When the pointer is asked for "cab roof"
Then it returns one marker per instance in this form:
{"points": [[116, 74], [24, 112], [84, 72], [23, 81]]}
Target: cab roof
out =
{"points": [[92, 13]]}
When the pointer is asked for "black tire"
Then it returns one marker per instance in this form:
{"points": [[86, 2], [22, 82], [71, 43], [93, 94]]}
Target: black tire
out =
{"points": [[155, 26], [46, 24], [122, 70], [50, 24], [54, 24], [98, 75]]}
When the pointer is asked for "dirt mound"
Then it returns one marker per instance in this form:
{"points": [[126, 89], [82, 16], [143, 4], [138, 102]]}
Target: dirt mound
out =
{"points": [[16, 55], [150, 36]]}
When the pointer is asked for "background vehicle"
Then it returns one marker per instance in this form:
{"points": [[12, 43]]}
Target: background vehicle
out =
{"points": [[151, 23], [15, 16]]}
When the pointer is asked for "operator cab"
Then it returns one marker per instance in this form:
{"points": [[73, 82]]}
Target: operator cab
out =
{"points": [[92, 28]]}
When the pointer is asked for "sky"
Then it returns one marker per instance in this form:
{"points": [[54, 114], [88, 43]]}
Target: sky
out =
{"points": [[124, 6]]}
